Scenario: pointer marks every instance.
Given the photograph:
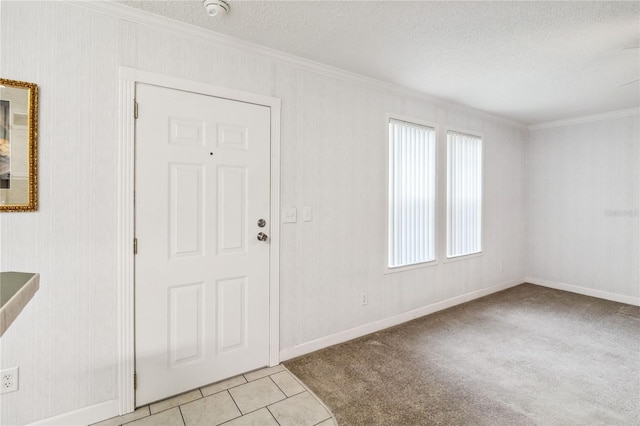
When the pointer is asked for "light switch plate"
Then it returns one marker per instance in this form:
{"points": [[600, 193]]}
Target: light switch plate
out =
{"points": [[289, 215], [306, 214]]}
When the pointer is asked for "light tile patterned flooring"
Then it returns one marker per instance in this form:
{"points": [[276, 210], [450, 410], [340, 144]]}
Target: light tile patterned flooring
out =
{"points": [[271, 396]]}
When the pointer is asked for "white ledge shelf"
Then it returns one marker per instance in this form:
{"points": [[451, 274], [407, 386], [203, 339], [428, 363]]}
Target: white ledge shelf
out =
{"points": [[16, 290]]}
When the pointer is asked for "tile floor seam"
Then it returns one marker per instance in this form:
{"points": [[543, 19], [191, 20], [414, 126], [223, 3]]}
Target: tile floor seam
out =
{"points": [[225, 390], [254, 381], [275, 369], [260, 408], [184, 422], [323, 420], [162, 411], [243, 414], [281, 390], [230, 420], [272, 415], [172, 397], [143, 417], [304, 388], [235, 403]]}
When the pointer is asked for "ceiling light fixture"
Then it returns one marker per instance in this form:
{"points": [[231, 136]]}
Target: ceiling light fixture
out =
{"points": [[215, 7]]}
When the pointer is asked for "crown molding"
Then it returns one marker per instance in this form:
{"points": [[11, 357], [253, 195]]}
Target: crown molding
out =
{"points": [[586, 119], [137, 16]]}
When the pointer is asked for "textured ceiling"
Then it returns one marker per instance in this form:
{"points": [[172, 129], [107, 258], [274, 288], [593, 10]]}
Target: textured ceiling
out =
{"points": [[529, 61]]}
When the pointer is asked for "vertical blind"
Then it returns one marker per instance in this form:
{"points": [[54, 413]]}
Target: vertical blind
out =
{"points": [[464, 194], [412, 167]]}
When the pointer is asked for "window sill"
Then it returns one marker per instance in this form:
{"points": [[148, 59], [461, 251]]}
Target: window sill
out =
{"points": [[463, 257], [397, 269]]}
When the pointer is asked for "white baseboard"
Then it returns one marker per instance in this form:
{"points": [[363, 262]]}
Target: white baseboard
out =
{"points": [[373, 327], [630, 300], [84, 416]]}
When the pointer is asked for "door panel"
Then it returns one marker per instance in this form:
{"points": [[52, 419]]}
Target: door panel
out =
{"points": [[202, 277], [186, 200], [232, 217], [185, 323], [232, 311]]}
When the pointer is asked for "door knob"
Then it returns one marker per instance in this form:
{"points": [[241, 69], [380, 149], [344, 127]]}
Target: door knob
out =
{"points": [[262, 236]]}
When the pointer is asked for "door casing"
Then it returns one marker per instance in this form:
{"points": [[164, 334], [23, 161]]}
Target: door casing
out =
{"points": [[125, 208]]}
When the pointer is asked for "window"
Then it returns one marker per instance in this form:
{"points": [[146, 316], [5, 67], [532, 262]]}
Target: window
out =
{"points": [[464, 194], [412, 190]]}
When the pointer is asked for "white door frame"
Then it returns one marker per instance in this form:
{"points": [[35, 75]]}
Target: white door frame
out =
{"points": [[125, 207]]}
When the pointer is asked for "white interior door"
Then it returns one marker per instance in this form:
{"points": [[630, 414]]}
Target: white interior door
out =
{"points": [[202, 276]]}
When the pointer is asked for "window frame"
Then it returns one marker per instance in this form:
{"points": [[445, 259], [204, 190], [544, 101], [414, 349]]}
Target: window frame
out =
{"points": [[474, 134], [436, 214]]}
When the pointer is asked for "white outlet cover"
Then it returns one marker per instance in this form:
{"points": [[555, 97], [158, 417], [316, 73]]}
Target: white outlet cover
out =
{"points": [[289, 215], [9, 380]]}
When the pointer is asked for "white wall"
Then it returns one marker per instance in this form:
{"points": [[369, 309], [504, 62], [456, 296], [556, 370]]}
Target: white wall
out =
{"points": [[582, 206], [333, 159]]}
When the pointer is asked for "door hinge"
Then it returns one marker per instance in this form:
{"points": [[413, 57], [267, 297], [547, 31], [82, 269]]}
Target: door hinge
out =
{"points": [[135, 381], [135, 109], [135, 246]]}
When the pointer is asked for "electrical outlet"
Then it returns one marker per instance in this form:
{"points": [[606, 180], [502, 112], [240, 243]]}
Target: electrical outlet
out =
{"points": [[364, 299], [289, 215], [9, 380]]}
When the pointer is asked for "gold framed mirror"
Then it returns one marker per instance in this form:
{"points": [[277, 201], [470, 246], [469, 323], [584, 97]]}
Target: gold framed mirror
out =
{"points": [[18, 146]]}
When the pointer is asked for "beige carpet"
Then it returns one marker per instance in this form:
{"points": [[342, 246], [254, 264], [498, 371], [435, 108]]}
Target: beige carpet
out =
{"points": [[524, 356]]}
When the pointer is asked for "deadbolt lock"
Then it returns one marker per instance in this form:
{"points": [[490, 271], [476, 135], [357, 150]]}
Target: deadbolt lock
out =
{"points": [[262, 223]]}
